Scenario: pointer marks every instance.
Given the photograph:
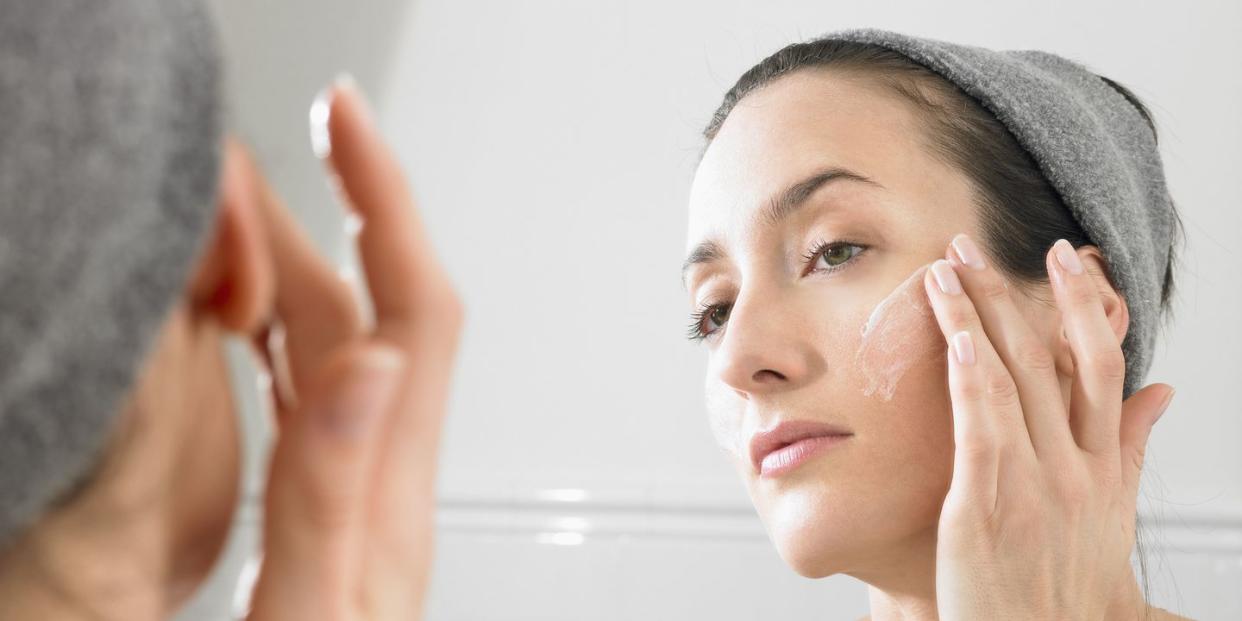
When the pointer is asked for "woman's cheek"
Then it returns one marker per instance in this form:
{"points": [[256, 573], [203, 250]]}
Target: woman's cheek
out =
{"points": [[901, 361], [725, 418], [899, 334]]}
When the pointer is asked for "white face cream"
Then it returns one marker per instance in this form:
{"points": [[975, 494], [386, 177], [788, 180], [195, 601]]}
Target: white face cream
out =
{"points": [[900, 333], [895, 337], [726, 423]]}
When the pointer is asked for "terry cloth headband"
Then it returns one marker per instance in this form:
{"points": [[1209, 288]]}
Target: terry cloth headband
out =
{"points": [[1092, 145], [109, 154]]}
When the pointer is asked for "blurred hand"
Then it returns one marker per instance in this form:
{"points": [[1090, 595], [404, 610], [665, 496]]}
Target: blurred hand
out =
{"points": [[349, 503]]}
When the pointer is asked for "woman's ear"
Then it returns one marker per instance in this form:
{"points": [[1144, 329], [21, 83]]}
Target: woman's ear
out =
{"points": [[233, 281], [1115, 308]]}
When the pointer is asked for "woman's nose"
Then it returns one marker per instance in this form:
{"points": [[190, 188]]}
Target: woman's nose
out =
{"points": [[767, 347]]}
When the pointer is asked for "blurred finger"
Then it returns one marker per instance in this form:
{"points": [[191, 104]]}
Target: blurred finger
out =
{"points": [[404, 278], [313, 302], [320, 479], [416, 309]]}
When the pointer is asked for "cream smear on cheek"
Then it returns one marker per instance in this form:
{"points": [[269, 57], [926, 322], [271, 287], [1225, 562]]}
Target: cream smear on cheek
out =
{"points": [[726, 423], [900, 333]]}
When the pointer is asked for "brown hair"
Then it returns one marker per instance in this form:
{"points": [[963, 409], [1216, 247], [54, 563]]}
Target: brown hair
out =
{"points": [[1020, 212]]}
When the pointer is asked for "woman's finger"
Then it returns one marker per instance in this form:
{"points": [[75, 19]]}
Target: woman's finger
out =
{"points": [[991, 386], [405, 279], [986, 409], [313, 304], [977, 451], [320, 479], [417, 310], [1138, 414], [1027, 358], [1099, 364]]}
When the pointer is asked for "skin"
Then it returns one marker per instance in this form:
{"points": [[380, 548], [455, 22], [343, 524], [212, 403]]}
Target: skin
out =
{"points": [[348, 515], [899, 504]]}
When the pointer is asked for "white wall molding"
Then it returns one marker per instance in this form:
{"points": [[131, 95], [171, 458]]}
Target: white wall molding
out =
{"points": [[575, 515], [1187, 530]]}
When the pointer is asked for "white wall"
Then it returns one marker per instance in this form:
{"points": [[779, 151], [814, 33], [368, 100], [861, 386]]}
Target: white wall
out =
{"points": [[552, 145]]}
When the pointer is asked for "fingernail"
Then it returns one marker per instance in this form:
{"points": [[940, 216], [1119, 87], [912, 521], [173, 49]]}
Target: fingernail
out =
{"points": [[964, 348], [968, 252], [352, 224], [946, 278], [364, 396], [321, 111], [346, 82], [1164, 406], [1067, 257]]}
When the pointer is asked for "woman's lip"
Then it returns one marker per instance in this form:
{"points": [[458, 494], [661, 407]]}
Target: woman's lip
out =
{"points": [[788, 444], [791, 456]]}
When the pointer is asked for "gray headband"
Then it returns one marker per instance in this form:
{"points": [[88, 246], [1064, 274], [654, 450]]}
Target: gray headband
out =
{"points": [[1092, 145], [109, 150]]}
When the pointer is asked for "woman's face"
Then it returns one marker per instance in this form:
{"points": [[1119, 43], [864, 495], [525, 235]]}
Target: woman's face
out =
{"points": [[791, 259]]}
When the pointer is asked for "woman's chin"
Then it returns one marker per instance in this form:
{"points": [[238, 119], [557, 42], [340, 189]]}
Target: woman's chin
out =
{"points": [[824, 529], [813, 558], [812, 532], [814, 566]]}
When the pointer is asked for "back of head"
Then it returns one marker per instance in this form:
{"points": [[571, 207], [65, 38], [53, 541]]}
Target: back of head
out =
{"points": [[109, 155]]}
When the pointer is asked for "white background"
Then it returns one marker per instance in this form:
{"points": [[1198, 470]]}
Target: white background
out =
{"points": [[552, 146]]}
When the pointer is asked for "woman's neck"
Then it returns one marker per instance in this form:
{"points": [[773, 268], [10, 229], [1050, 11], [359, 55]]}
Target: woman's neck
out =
{"points": [[106, 555], [141, 534], [902, 582], [68, 569]]}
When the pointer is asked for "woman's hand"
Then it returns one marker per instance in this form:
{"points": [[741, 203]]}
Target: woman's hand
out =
{"points": [[350, 496], [1039, 519]]}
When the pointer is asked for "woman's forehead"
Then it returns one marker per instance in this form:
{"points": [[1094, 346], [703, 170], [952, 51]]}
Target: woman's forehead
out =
{"points": [[792, 129]]}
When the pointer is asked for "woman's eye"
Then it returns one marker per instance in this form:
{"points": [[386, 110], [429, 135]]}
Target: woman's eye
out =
{"points": [[831, 256], [718, 316], [826, 257], [708, 320]]}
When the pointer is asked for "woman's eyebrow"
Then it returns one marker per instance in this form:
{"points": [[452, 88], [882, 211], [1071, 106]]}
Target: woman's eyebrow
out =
{"points": [[791, 198], [706, 252], [779, 207]]}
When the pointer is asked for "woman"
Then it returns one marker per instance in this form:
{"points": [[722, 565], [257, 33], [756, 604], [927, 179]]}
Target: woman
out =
{"points": [[134, 238], [131, 532], [915, 339]]}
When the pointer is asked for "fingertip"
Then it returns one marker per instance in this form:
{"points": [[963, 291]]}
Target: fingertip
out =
{"points": [[1164, 404], [1054, 272], [348, 105], [320, 111], [1067, 257], [1149, 402], [929, 275], [335, 106]]}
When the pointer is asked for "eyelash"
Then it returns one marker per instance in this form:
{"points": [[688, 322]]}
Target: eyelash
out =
{"points": [[695, 330]]}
